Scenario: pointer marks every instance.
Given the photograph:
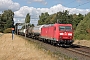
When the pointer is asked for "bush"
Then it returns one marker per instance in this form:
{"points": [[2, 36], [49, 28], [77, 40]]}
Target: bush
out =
{"points": [[83, 29], [8, 30], [88, 36]]}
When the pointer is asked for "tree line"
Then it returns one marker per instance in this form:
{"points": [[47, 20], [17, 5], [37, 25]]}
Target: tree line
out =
{"points": [[60, 17]]}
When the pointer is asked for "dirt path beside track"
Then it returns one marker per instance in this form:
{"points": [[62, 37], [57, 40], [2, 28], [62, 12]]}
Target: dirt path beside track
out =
{"points": [[20, 49], [82, 42]]}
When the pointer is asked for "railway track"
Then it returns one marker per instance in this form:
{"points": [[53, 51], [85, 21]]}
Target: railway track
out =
{"points": [[82, 50], [75, 51]]}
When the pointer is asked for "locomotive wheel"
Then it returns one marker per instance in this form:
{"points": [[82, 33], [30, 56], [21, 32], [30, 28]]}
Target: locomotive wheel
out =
{"points": [[51, 42], [54, 43]]}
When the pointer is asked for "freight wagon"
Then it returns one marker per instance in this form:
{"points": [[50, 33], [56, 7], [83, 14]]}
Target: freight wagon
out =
{"points": [[21, 31], [34, 32]]}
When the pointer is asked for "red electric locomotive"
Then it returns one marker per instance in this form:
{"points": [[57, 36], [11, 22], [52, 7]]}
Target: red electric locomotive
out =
{"points": [[58, 33]]}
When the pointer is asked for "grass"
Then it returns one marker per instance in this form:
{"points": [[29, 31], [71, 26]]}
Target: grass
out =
{"points": [[21, 49]]}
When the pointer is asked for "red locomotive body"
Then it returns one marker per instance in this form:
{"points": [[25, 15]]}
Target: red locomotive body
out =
{"points": [[58, 33]]}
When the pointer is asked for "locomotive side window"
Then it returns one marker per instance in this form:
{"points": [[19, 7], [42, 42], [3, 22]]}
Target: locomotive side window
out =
{"points": [[65, 28]]}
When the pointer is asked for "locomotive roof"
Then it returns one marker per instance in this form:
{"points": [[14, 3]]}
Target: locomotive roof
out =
{"points": [[63, 24], [56, 24]]}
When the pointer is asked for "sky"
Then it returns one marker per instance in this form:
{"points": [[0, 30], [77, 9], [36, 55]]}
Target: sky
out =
{"points": [[36, 7]]}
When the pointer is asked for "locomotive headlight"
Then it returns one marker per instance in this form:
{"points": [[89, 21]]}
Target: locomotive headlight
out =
{"points": [[61, 33], [70, 34]]}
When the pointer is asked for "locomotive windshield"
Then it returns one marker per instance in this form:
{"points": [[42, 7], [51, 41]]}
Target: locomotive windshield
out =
{"points": [[65, 28]]}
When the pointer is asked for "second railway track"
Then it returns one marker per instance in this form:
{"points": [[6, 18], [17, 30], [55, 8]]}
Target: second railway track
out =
{"points": [[85, 51]]}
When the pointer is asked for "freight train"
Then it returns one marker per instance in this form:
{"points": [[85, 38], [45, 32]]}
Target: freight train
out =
{"points": [[57, 34]]}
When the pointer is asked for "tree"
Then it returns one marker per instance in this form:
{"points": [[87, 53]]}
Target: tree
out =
{"points": [[43, 18], [1, 26], [7, 19], [27, 19], [76, 20]]}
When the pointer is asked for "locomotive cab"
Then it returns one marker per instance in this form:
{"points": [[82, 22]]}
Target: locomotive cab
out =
{"points": [[64, 34]]}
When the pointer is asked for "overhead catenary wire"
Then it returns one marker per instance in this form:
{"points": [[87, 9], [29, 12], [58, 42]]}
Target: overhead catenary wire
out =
{"points": [[82, 4], [77, 5]]}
